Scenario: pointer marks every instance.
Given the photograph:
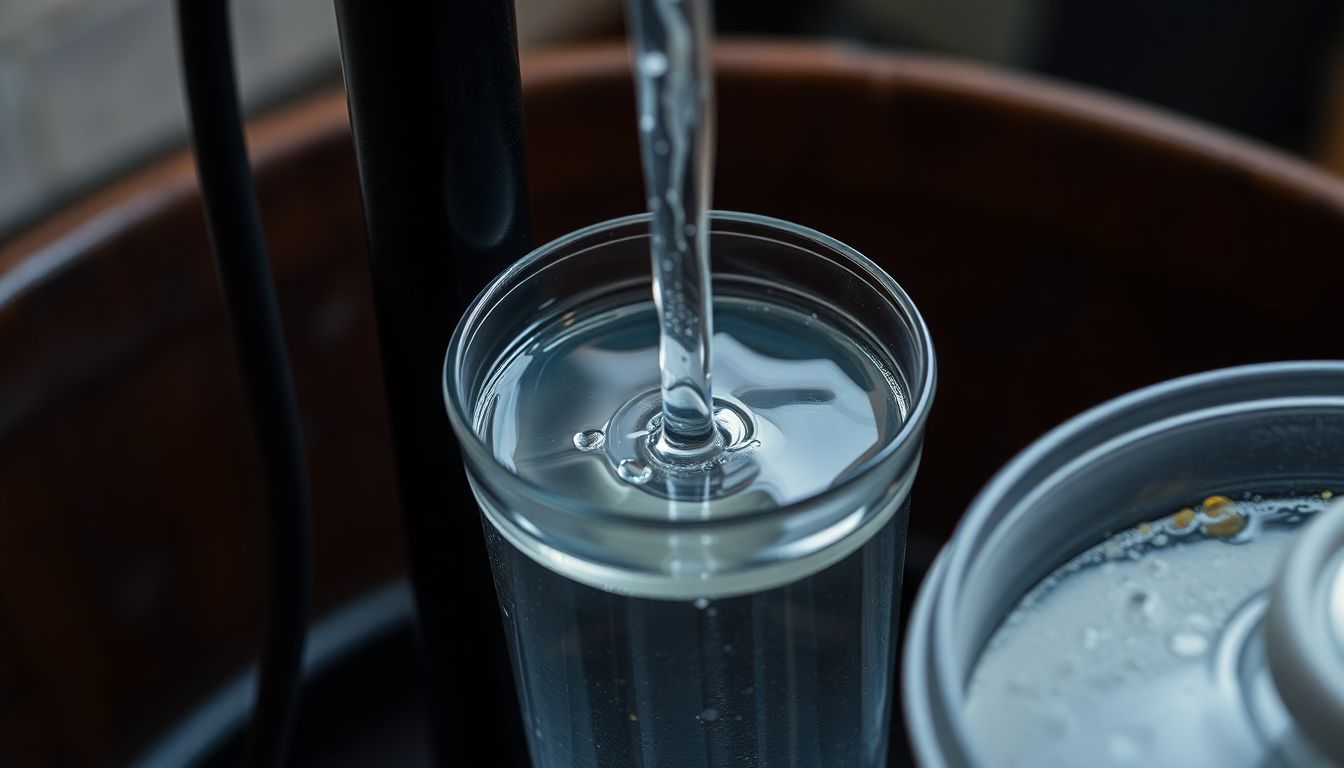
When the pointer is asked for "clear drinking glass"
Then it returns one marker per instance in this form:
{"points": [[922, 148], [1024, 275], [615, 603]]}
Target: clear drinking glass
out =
{"points": [[648, 630]]}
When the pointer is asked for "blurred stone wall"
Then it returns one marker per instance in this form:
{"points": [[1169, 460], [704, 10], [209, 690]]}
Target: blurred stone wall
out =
{"points": [[91, 87]]}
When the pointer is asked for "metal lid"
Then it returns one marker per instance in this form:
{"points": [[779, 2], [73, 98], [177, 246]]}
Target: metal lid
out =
{"points": [[1275, 425], [1304, 633]]}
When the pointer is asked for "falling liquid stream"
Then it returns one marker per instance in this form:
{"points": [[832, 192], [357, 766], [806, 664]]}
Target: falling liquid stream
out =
{"points": [[676, 128]]}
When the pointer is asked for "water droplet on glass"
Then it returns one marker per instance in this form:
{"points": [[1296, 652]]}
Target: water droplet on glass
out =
{"points": [[634, 471], [1187, 643], [709, 715], [646, 123], [653, 64], [702, 603], [589, 439]]}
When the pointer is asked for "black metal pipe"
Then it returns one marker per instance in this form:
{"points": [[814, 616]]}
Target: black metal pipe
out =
{"points": [[434, 99], [240, 255]]}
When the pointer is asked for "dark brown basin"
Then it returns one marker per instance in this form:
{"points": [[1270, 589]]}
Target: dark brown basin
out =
{"points": [[1064, 246]]}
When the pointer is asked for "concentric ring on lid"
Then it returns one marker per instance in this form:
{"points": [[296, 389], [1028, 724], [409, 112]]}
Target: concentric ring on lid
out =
{"points": [[1303, 637]]}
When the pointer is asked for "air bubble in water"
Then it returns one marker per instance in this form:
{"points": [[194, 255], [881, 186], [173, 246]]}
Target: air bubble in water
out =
{"points": [[709, 715], [653, 64], [634, 471], [1143, 608], [702, 603], [589, 439], [1187, 643]]}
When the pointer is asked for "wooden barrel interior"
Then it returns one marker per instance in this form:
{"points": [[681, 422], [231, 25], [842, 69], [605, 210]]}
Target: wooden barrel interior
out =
{"points": [[1063, 246]]}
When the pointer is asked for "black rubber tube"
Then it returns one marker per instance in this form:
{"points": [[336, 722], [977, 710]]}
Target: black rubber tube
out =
{"points": [[240, 256], [435, 107]]}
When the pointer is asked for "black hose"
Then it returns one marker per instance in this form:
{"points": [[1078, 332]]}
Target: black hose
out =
{"points": [[436, 111], [240, 255]]}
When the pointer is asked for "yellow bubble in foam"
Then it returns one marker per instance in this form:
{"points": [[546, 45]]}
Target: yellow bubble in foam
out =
{"points": [[1223, 519], [1227, 525], [1184, 518]]}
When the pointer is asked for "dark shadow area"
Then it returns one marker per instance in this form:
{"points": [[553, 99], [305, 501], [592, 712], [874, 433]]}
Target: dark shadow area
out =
{"points": [[1258, 67]]}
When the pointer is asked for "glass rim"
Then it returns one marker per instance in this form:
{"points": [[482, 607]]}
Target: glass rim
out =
{"points": [[472, 444]]}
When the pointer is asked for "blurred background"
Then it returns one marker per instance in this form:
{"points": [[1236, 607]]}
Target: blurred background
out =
{"points": [[89, 88]]}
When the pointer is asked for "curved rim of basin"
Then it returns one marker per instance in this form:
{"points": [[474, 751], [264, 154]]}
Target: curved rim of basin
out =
{"points": [[42, 251], [1103, 112], [96, 228]]}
